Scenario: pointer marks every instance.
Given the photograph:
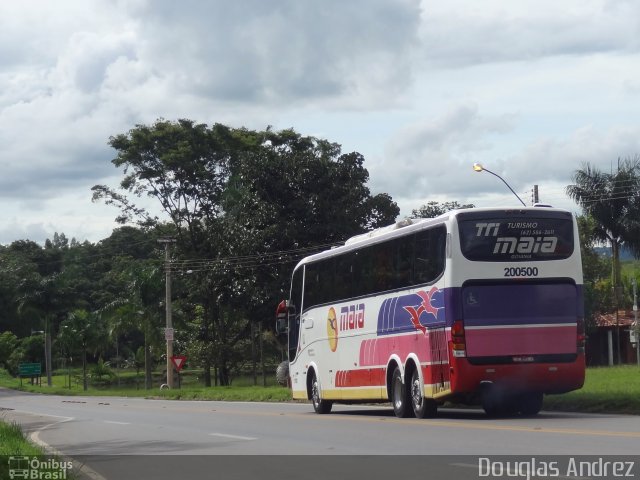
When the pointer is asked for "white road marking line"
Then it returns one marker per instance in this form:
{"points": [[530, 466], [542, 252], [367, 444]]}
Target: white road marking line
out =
{"points": [[116, 423], [233, 437], [87, 472], [40, 414], [35, 436]]}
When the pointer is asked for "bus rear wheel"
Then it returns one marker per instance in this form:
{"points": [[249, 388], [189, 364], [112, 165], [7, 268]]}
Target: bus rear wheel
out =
{"points": [[319, 405], [530, 403], [400, 398], [422, 407], [498, 403]]}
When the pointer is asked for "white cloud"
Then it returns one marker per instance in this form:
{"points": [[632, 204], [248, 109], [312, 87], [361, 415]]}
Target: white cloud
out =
{"points": [[422, 89], [432, 157], [462, 33], [432, 160], [287, 51]]}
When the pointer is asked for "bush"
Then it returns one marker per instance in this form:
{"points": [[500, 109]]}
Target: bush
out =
{"points": [[101, 373]]}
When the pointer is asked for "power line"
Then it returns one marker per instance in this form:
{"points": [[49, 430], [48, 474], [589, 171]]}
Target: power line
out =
{"points": [[249, 261]]}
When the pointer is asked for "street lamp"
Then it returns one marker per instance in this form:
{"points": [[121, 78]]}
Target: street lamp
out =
{"points": [[479, 168]]}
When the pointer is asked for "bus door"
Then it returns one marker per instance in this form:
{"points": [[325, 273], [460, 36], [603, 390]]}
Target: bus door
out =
{"points": [[295, 309]]}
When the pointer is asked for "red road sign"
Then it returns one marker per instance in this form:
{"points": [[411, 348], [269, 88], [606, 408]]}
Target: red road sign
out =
{"points": [[178, 361]]}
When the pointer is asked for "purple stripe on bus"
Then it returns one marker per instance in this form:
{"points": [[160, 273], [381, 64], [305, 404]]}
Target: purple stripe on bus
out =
{"points": [[517, 304], [418, 311], [496, 304]]}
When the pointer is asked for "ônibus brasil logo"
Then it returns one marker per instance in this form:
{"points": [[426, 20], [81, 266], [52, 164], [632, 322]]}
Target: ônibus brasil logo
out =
{"points": [[34, 468]]}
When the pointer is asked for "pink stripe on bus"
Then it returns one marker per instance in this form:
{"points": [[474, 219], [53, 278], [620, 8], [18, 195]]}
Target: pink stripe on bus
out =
{"points": [[520, 341]]}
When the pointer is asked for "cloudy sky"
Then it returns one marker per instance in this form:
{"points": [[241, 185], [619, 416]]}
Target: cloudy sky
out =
{"points": [[532, 89]]}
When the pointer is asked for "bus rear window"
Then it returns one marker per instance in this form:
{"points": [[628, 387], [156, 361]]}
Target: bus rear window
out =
{"points": [[493, 238]]}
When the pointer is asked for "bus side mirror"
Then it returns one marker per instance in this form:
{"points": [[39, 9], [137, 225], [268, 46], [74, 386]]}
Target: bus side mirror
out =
{"points": [[282, 324], [282, 317]]}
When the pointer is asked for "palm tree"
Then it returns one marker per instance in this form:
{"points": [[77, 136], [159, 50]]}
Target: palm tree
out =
{"points": [[613, 201], [83, 332], [137, 308]]}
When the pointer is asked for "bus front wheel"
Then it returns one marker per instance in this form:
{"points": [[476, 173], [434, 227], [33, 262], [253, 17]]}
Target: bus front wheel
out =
{"points": [[319, 405]]}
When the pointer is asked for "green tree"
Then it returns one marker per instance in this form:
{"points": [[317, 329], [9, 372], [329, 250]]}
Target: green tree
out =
{"points": [[612, 200], [12, 268], [434, 209], [8, 343], [29, 349], [290, 193], [82, 332], [138, 307], [233, 193], [595, 272]]}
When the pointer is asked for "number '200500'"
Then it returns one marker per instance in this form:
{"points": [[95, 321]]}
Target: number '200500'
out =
{"points": [[520, 271]]}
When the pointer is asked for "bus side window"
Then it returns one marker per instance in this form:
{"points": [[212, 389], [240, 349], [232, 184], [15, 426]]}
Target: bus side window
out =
{"points": [[343, 281], [364, 275], [429, 255], [326, 284], [402, 257], [383, 267]]}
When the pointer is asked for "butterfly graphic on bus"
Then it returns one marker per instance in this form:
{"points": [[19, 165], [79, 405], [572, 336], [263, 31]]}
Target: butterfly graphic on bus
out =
{"points": [[417, 311]]}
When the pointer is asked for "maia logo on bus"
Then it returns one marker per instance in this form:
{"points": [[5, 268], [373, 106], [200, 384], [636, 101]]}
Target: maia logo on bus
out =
{"points": [[525, 245], [332, 329], [351, 318]]}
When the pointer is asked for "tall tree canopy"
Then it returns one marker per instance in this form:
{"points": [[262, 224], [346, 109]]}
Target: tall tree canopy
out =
{"points": [[433, 209], [612, 200], [235, 193]]}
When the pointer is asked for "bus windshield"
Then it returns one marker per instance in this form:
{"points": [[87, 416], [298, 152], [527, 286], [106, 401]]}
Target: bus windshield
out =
{"points": [[516, 236]]}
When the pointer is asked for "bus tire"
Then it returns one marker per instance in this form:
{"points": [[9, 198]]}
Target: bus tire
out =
{"points": [[319, 405], [422, 407], [496, 403], [530, 403], [282, 374], [400, 398]]}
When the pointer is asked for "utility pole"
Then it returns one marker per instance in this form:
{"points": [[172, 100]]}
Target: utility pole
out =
{"points": [[168, 332], [635, 317], [536, 198], [47, 354]]}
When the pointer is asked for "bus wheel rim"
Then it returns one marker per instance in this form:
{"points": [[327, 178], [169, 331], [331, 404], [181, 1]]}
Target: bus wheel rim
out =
{"points": [[315, 394], [397, 393], [416, 394]]}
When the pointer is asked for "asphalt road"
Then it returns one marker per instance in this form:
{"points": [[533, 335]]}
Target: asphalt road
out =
{"points": [[121, 438]]}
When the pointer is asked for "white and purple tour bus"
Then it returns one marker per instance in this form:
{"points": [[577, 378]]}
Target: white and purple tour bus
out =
{"points": [[481, 305]]}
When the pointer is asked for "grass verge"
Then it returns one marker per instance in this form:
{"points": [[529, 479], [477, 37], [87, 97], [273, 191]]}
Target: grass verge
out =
{"points": [[190, 390], [606, 390], [12, 442], [19, 458]]}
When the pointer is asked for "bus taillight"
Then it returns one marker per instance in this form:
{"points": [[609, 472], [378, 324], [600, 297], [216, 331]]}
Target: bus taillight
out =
{"points": [[581, 336], [458, 345]]}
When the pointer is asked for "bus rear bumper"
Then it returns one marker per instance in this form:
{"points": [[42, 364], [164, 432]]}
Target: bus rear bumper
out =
{"points": [[561, 377]]}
